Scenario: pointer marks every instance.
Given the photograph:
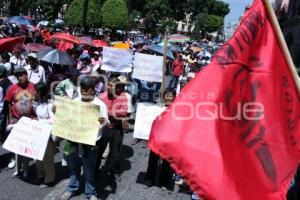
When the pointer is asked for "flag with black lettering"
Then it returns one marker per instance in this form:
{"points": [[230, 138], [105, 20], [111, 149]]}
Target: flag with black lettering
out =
{"points": [[233, 132]]}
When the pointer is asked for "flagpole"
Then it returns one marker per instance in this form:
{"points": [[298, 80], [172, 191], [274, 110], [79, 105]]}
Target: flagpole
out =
{"points": [[283, 44], [164, 66]]}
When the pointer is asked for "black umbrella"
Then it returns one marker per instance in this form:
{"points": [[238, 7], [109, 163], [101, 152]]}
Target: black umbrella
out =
{"points": [[55, 56]]}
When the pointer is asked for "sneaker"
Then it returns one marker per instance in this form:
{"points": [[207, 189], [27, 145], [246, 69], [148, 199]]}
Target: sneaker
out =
{"points": [[93, 197], [12, 164], [66, 195], [43, 186], [118, 177], [195, 197], [163, 188], [15, 174], [147, 184]]}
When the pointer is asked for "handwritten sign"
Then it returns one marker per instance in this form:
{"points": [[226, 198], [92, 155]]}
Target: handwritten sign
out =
{"points": [[76, 121], [117, 60], [148, 67], [145, 115], [29, 138]]}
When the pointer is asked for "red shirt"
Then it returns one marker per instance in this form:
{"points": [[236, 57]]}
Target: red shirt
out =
{"points": [[21, 100], [177, 67], [117, 107]]}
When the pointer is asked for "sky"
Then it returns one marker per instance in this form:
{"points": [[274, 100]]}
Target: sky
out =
{"points": [[237, 8]]}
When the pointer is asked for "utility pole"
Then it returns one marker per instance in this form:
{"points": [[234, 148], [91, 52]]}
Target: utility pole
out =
{"points": [[84, 14]]}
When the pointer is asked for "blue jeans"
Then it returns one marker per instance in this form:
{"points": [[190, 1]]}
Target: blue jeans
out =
{"points": [[88, 162], [173, 83]]}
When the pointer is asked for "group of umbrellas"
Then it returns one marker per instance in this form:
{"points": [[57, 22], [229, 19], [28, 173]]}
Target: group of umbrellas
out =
{"points": [[26, 20], [55, 56]]}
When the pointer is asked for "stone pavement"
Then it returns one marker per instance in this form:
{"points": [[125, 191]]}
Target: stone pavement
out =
{"points": [[130, 188]]}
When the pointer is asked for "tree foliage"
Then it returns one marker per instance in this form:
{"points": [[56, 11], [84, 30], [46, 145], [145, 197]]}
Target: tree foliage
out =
{"points": [[75, 12], [115, 14], [205, 23]]}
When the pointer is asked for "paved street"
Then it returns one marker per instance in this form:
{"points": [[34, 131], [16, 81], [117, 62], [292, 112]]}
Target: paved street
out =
{"points": [[130, 188]]}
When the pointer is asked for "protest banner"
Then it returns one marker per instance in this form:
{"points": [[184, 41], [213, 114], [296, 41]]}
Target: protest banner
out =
{"points": [[76, 121], [28, 138], [117, 60], [145, 115], [147, 67]]}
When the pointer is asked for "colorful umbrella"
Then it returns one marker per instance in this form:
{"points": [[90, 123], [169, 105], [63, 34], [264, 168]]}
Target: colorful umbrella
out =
{"points": [[195, 49], [67, 37], [178, 38], [85, 40], [121, 45], [59, 21], [99, 43], [19, 20], [43, 23], [35, 47], [159, 49], [55, 56]]}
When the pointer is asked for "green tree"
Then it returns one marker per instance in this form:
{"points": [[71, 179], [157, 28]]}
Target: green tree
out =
{"points": [[134, 18], [155, 12], [205, 23], [115, 14], [75, 13]]}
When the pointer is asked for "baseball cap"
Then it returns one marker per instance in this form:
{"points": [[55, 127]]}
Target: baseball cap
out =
{"points": [[32, 55]]}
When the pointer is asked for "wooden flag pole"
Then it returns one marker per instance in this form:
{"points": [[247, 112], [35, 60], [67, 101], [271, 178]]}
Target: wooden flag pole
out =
{"points": [[283, 44], [162, 89]]}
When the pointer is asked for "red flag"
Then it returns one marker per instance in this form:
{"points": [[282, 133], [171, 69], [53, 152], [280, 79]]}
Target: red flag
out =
{"points": [[233, 132]]}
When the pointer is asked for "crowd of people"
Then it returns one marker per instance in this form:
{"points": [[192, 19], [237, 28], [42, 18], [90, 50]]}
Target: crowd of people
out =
{"points": [[28, 88]]}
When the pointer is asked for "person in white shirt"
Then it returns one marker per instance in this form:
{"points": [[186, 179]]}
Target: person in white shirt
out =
{"points": [[43, 108], [17, 60], [36, 73]]}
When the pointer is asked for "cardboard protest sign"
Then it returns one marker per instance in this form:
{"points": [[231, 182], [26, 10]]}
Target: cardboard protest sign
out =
{"points": [[145, 115], [29, 138], [147, 67], [117, 60], [76, 121]]}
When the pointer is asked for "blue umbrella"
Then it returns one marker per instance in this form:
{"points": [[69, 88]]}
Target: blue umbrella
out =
{"points": [[19, 20], [59, 21], [55, 56], [175, 48], [160, 49]]}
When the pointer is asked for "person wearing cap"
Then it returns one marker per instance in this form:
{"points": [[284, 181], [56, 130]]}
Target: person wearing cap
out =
{"points": [[36, 73], [20, 97], [96, 60], [68, 87], [4, 85], [84, 65], [80, 155], [18, 60], [117, 104]]}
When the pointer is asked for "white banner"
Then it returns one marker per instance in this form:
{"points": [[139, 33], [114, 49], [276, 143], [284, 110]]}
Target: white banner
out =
{"points": [[145, 115], [117, 60], [148, 67], [28, 138]]}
